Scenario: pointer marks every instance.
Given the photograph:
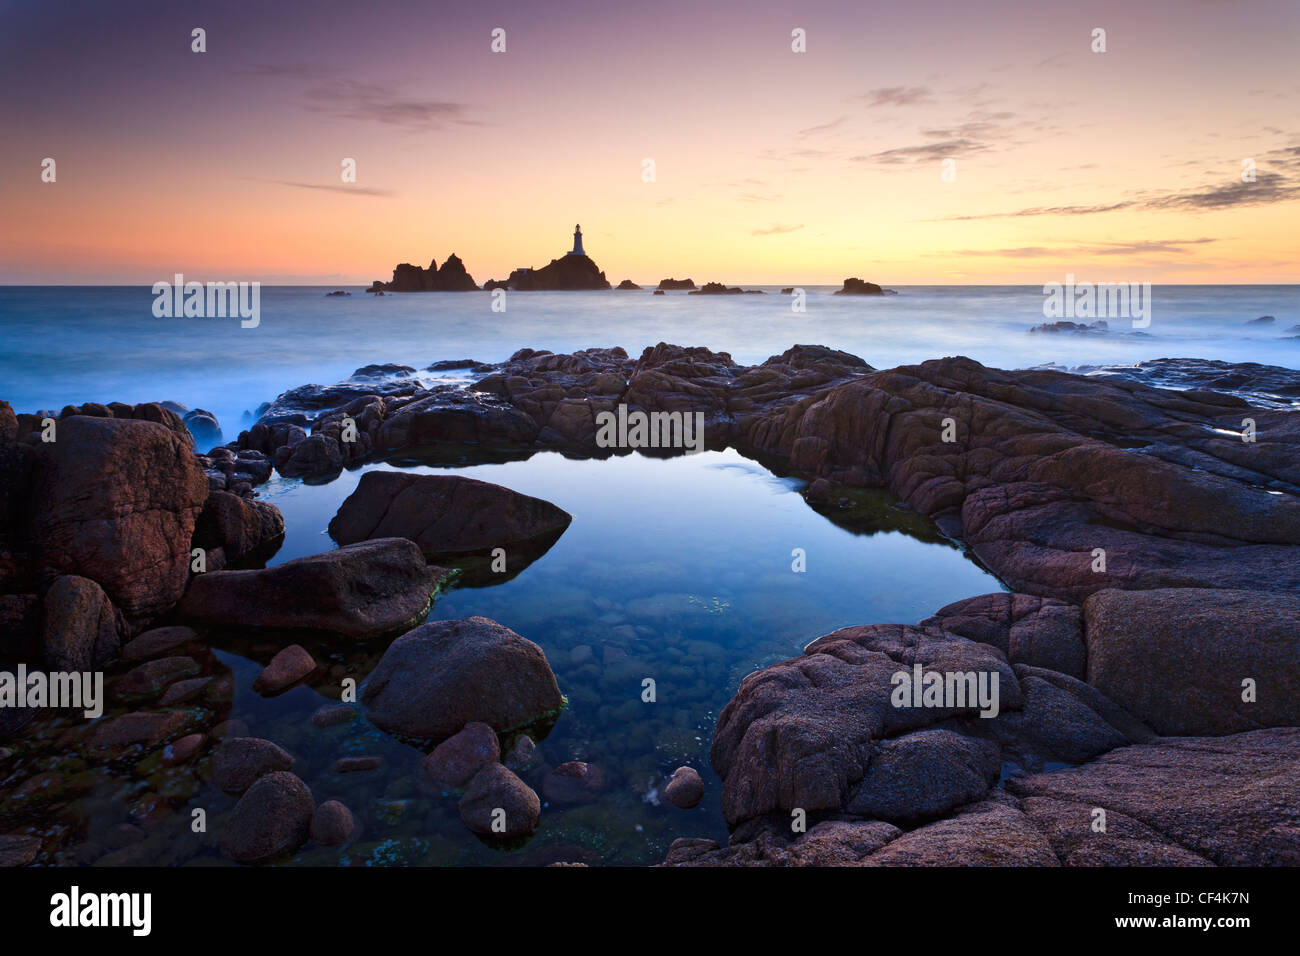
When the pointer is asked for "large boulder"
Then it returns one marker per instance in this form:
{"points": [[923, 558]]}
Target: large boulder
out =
{"points": [[362, 590], [1179, 658], [242, 528], [446, 515], [434, 680], [272, 819], [800, 734], [82, 630], [116, 501]]}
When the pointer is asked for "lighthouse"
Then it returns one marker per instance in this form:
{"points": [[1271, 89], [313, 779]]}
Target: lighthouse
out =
{"points": [[577, 242]]}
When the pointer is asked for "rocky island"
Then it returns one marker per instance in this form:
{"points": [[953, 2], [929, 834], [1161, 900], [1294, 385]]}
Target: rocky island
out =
{"points": [[861, 287], [452, 277]]}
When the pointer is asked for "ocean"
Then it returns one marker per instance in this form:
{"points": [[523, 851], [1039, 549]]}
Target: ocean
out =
{"points": [[68, 345]]}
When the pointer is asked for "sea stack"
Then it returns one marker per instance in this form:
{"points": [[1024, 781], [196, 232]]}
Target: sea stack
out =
{"points": [[452, 277]]}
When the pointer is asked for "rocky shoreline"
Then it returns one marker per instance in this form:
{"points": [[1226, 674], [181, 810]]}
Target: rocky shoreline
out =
{"points": [[1148, 537]]}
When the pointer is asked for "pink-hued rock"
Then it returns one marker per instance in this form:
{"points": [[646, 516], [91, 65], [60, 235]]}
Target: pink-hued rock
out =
{"points": [[239, 761], [240, 527], [272, 819], [1178, 657], [18, 850], [116, 501], [179, 751], [497, 803], [363, 590], [455, 761], [332, 824], [158, 641], [149, 679], [685, 789], [127, 730], [287, 669], [183, 691], [82, 628], [434, 680], [446, 515]]}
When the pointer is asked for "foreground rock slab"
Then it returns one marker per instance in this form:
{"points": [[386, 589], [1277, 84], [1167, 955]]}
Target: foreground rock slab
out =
{"points": [[1179, 658], [1196, 801], [1233, 801]]}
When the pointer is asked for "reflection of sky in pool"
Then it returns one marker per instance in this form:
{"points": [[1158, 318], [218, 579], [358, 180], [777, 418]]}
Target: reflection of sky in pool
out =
{"points": [[678, 570]]}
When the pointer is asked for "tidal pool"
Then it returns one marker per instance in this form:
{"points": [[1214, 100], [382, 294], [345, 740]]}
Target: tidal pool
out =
{"points": [[679, 570]]}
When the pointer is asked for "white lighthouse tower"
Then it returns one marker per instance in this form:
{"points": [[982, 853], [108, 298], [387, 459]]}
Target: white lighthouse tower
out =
{"points": [[577, 242]]}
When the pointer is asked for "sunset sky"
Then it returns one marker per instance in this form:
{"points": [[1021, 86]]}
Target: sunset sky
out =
{"points": [[771, 166]]}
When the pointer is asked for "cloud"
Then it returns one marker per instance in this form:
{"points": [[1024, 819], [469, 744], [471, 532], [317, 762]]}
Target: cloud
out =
{"points": [[353, 190], [822, 128], [1148, 245], [926, 152], [1267, 189], [1138, 247], [1042, 211], [896, 96], [375, 102], [775, 230], [287, 69]]}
